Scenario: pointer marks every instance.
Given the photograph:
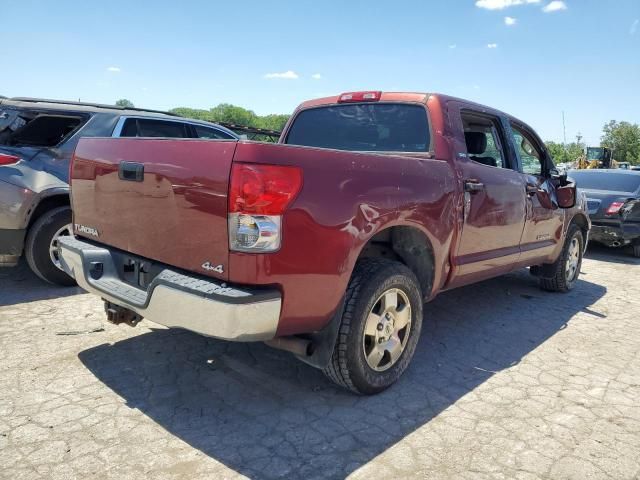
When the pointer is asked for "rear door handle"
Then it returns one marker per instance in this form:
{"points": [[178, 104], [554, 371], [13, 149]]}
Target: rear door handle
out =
{"points": [[131, 171], [473, 186]]}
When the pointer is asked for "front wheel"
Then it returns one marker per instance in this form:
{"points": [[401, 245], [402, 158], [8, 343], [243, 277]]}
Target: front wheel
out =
{"points": [[566, 268], [380, 327]]}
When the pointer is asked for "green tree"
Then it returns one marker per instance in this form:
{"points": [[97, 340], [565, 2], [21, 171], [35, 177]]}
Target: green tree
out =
{"points": [[227, 113], [123, 102], [568, 153], [623, 138]]}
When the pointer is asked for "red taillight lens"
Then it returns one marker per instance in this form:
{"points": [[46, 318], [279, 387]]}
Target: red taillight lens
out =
{"points": [[263, 189], [8, 159], [614, 208], [359, 97]]}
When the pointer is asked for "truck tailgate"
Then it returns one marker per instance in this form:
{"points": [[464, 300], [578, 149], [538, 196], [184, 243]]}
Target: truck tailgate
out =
{"points": [[162, 199]]}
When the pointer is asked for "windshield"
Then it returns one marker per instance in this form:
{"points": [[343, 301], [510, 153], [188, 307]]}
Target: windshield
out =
{"points": [[610, 181], [379, 127], [595, 154]]}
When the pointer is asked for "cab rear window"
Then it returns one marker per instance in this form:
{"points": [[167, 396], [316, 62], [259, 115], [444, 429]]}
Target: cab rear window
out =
{"points": [[372, 127]]}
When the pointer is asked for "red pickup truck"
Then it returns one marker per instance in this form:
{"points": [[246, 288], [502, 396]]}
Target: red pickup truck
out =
{"points": [[327, 243]]}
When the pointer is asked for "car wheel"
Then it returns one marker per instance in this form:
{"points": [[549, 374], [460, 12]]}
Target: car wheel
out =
{"points": [[41, 246], [567, 268], [380, 327], [636, 249]]}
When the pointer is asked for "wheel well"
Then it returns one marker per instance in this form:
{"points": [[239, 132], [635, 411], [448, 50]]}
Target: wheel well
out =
{"points": [[407, 245], [582, 222], [47, 204]]}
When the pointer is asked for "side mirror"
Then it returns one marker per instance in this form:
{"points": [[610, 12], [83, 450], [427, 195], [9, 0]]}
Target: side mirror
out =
{"points": [[566, 195]]}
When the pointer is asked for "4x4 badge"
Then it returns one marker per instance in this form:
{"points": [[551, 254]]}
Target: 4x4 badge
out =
{"points": [[211, 268]]}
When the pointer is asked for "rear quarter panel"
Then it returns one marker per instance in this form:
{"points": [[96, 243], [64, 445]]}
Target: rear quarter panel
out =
{"points": [[345, 200]]}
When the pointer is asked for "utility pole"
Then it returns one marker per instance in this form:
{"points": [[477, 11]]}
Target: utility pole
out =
{"points": [[564, 131]]}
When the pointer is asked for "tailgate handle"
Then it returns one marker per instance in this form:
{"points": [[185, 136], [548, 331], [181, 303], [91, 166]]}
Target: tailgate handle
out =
{"points": [[131, 171]]}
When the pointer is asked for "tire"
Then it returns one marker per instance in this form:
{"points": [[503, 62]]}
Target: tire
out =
{"points": [[374, 284], [39, 241], [566, 276], [635, 249]]}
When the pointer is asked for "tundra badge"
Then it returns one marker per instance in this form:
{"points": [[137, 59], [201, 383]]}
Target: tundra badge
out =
{"points": [[211, 268], [87, 230]]}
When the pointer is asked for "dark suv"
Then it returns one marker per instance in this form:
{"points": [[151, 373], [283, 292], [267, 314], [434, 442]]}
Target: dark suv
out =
{"points": [[37, 139]]}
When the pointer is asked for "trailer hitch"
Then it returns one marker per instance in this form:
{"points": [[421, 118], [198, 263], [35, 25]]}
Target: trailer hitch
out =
{"points": [[117, 314]]}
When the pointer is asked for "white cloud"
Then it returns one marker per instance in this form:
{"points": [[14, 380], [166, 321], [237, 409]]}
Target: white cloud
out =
{"points": [[502, 4], [453, 46], [114, 69], [492, 45], [634, 27], [289, 75], [510, 21], [555, 6], [316, 76]]}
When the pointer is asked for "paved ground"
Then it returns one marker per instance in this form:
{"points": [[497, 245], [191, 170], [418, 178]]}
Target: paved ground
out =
{"points": [[507, 382]]}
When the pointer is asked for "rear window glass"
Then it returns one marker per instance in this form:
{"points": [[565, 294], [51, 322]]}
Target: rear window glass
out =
{"points": [[377, 127], [616, 182], [45, 130]]}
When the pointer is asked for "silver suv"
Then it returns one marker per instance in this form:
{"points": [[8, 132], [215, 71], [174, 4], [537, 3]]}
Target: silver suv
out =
{"points": [[37, 140]]}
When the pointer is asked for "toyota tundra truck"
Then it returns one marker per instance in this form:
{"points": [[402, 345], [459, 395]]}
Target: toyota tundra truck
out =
{"points": [[327, 243]]}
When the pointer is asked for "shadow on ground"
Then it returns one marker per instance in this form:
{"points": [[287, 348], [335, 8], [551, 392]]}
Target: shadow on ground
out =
{"points": [[20, 285], [265, 415]]}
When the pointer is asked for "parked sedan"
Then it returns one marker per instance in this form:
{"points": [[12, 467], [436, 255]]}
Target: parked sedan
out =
{"points": [[613, 199], [37, 139]]}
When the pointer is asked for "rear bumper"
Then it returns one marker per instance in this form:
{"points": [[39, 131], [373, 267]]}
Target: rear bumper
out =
{"points": [[615, 234], [174, 299]]}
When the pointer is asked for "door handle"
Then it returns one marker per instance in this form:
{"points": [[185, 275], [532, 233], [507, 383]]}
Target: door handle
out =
{"points": [[532, 189], [473, 186], [131, 171]]}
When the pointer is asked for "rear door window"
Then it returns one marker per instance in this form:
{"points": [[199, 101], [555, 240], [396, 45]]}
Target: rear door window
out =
{"points": [[372, 127], [145, 127]]}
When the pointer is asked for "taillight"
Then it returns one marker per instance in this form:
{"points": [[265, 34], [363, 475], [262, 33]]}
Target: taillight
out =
{"points": [[6, 159], [359, 97], [258, 196], [614, 208]]}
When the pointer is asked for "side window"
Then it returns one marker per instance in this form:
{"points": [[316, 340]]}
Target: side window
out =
{"points": [[483, 139], [130, 128], [211, 133], [162, 128], [144, 127], [530, 156]]}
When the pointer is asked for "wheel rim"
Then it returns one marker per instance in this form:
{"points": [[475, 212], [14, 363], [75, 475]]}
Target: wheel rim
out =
{"points": [[573, 260], [387, 329], [65, 231]]}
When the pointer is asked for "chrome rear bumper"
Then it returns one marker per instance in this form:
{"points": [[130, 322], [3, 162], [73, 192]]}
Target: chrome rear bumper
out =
{"points": [[174, 299]]}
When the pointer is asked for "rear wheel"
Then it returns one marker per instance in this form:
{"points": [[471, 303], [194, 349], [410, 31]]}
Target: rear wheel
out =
{"points": [[380, 327], [567, 268], [41, 246]]}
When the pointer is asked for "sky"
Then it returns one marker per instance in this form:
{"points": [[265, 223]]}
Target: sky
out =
{"points": [[531, 58]]}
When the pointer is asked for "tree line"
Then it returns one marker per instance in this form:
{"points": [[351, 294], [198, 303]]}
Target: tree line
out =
{"points": [[623, 138]]}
